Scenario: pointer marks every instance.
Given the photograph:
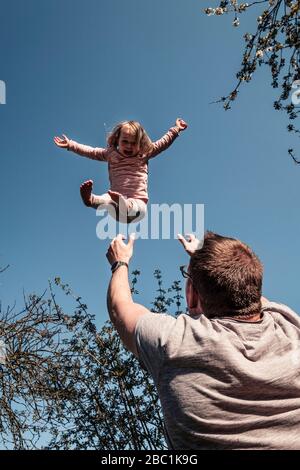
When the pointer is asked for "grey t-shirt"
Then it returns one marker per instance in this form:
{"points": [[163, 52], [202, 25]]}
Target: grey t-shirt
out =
{"points": [[224, 383]]}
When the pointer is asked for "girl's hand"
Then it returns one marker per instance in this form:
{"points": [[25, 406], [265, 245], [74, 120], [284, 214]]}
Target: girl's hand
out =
{"points": [[181, 124], [62, 142]]}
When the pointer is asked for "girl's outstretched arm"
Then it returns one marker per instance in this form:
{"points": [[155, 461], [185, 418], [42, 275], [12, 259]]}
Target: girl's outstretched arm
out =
{"points": [[95, 153], [164, 142]]}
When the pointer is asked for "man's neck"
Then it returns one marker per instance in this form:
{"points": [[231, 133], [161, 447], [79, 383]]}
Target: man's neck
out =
{"points": [[254, 318]]}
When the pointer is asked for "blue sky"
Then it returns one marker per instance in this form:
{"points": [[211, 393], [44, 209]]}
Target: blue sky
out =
{"points": [[71, 66]]}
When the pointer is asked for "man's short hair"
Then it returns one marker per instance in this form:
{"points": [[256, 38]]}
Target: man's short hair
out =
{"points": [[228, 277]]}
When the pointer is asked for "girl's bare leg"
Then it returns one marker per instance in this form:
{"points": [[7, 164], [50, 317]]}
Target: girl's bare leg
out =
{"points": [[120, 200], [129, 209], [93, 200], [86, 192]]}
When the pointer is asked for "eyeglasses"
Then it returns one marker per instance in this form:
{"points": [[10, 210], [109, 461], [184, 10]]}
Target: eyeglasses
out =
{"points": [[185, 274]]}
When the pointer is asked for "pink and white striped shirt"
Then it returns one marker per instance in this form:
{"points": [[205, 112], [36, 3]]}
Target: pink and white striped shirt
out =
{"points": [[127, 175]]}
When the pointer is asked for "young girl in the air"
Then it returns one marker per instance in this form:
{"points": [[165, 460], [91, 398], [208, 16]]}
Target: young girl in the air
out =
{"points": [[128, 152]]}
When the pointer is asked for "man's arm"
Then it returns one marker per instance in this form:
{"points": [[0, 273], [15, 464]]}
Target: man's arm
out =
{"points": [[123, 312]]}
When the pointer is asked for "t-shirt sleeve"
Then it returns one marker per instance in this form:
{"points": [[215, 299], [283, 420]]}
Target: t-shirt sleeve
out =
{"points": [[152, 332], [284, 310]]}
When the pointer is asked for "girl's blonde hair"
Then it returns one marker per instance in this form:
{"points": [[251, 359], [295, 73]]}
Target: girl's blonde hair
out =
{"points": [[141, 136]]}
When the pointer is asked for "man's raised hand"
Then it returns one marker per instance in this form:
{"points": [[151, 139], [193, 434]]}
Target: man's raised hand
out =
{"points": [[119, 251], [192, 245]]}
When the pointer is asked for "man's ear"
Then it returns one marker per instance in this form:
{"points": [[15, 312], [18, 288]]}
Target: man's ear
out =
{"points": [[193, 299]]}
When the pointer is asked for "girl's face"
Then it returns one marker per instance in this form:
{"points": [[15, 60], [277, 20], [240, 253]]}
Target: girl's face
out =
{"points": [[127, 144]]}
